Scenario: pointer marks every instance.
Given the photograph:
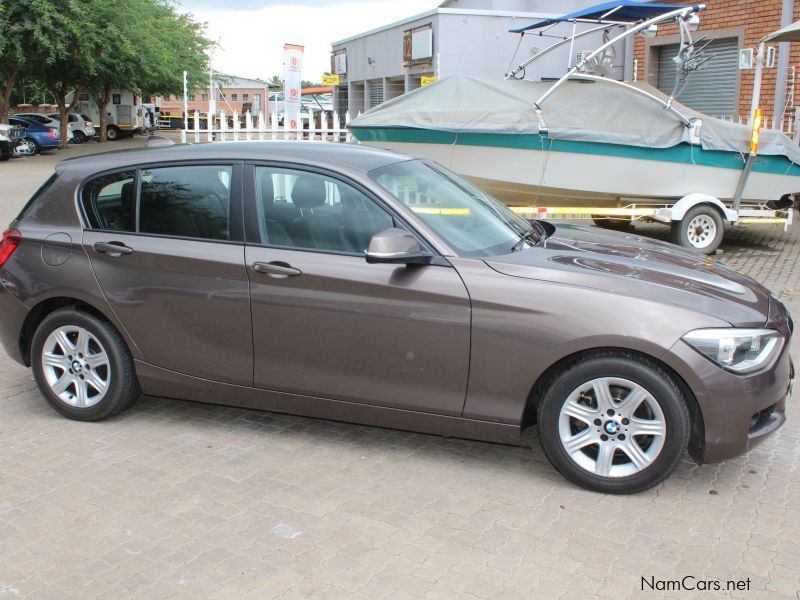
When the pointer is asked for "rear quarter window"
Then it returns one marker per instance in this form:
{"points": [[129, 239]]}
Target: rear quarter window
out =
{"points": [[36, 195]]}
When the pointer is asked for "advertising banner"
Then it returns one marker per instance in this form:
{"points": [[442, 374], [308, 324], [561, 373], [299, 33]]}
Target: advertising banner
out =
{"points": [[292, 66]]}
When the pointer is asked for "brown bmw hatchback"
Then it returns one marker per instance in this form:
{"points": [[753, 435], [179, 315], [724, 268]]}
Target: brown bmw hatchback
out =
{"points": [[359, 285]]}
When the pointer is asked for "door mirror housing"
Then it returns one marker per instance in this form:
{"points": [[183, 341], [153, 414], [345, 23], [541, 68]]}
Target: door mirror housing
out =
{"points": [[396, 246]]}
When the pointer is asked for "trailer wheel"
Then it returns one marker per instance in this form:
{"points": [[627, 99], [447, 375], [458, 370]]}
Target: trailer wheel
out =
{"points": [[700, 229], [112, 133], [610, 223]]}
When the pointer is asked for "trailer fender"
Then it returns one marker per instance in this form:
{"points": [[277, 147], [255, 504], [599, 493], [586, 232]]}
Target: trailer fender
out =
{"points": [[688, 202]]}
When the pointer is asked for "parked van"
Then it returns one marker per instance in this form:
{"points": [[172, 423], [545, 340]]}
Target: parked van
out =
{"points": [[125, 114]]}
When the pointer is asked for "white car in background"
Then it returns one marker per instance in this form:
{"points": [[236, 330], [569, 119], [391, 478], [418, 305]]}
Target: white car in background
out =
{"points": [[49, 121], [80, 125]]}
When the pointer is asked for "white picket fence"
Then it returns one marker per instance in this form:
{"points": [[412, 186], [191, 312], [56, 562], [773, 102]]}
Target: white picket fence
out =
{"points": [[261, 127]]}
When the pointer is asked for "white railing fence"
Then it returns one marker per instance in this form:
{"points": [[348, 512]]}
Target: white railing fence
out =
{"points": [[219, 127], [788, 124]]}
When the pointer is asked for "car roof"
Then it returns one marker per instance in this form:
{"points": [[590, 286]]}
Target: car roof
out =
{"points": [[353, 158]]}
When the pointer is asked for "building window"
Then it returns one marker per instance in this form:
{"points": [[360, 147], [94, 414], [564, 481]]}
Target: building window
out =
{"points": [[204, 97], [418, 46], [191, 97], [116, 99], [257, 102], [221, 97], [234, 97], [245, 97]]}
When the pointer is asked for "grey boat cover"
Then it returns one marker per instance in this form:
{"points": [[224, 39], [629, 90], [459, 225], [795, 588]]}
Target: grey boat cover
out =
{"points": [[579, 110]]}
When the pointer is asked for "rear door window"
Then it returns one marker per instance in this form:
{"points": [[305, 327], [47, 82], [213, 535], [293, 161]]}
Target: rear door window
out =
{"points": [[109, 202], [184, 201], [187, 201]]}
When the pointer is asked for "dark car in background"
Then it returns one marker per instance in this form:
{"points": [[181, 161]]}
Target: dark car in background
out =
{"points": [[10, 137], [353, 284], [41, 137]]}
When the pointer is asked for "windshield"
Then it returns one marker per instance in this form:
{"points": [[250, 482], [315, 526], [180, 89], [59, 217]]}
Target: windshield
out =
{"points": [[467, 219]]}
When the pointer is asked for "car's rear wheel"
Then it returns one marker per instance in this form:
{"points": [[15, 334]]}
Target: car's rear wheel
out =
{"points": [[613, 422], [34, 147], [82, 366], [79, 136]]}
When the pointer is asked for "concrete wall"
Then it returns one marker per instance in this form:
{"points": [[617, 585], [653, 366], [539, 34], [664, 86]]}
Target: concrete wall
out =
{"points": [[463, 43]]}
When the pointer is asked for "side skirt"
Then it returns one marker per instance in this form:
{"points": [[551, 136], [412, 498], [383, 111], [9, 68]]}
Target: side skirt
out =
{"points": [[156, 381]]}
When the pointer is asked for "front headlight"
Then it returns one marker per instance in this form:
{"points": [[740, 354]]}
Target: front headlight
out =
{"points": [[738, 350]]}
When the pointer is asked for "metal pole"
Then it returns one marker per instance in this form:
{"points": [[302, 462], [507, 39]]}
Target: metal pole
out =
{"points": [[558, 44], [644, 25], [748, 167], [757, 83], [185, 106]]}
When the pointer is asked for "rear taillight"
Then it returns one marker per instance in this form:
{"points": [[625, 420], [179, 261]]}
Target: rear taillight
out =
{"points": [[53, 134], [9, 243]]}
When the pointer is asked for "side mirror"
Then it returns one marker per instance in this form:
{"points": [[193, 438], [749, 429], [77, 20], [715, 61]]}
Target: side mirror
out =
{"points": [[396, 246]]}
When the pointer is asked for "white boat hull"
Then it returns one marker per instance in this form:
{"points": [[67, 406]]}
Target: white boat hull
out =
{"points": [[525, 177]]}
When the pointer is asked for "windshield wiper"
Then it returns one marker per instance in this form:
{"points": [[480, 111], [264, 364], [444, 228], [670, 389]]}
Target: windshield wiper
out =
{"points": [[537, 230]]}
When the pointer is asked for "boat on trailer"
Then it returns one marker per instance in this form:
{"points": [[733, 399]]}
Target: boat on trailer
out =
{"points": [[586, 144]]}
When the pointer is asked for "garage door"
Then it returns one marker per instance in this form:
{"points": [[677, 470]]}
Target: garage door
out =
{"points": [[712, 89]]}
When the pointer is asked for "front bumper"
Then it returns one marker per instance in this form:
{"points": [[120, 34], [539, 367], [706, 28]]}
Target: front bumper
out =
{"points": [[12, 317], [738, 412]]}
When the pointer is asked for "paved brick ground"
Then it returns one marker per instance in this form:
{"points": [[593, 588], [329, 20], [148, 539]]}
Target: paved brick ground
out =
{"points": [[183, 500]]}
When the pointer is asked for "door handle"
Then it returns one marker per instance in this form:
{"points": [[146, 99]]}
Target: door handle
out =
{"points": [[276, 269], [112, 248]]}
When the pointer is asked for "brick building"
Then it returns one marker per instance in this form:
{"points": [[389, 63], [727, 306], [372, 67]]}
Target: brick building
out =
{"points": [[720, 87], [232, 93]]}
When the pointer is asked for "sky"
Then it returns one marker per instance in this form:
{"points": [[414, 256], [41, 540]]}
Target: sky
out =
{"points": [[251, 33]]}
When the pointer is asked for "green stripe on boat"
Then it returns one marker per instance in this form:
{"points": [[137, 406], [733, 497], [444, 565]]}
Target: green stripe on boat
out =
{"points": [[682, 153]]}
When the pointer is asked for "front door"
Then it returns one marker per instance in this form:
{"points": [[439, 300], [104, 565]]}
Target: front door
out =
{"points": [[328, 324], [170, 261]]}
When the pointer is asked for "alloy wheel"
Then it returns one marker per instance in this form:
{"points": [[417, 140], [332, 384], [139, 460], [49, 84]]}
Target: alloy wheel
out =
{"points": [[612, 427], [76, 366]]}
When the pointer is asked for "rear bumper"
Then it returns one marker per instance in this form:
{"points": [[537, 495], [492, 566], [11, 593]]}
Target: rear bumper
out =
{"points": [[12, 317], [738, 411]]}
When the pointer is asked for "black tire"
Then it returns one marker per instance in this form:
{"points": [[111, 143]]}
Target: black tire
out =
{"points": [[6, 152], [37, 149], [634, 368], [113, 133], [123, 389], [78, 137], [614, 224], [708, 229]]}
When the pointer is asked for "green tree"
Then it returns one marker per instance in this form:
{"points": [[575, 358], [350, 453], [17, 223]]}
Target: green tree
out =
{"points": [[25, 31], [72, 46], [150, 48]]}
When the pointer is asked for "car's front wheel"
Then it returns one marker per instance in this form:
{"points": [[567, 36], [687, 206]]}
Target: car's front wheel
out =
{"points": [[82, 366], [613, 422]]}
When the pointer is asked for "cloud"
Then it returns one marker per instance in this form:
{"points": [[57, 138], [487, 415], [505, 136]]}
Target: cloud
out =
{"points": [[251, 39]]}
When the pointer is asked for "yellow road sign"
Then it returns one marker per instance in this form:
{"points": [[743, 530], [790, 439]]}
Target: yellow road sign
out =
{"points": [[330, 80], [427, 81]]}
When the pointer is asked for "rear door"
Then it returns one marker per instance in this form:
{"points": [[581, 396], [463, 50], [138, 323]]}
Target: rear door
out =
{"points": [[167, 248]]}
